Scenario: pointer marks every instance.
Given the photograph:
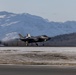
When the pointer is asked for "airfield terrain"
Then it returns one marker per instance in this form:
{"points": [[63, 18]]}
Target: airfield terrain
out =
{"points": [[38, 55]]}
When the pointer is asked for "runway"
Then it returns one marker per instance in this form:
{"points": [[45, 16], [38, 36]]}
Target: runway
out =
{"points": [[36, 70]]}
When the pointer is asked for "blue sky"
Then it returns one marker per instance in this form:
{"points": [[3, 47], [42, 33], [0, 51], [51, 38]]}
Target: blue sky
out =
{"points": [[54, 10]]}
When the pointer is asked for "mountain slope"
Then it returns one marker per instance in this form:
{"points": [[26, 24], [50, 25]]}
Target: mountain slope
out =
{"points": [[11, 24], [62, 40]]}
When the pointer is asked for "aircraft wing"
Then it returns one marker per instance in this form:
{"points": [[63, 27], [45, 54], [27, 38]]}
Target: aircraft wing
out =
{"points": [[30, 39]]}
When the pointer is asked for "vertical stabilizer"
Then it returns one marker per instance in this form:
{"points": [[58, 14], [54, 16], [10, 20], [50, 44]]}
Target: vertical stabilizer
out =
{"points": [[20, 36]]}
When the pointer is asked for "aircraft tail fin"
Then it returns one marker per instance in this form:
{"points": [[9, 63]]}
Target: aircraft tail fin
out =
{"points": [[20, 36]]}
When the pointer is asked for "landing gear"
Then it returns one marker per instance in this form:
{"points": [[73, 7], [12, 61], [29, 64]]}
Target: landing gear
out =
{"points": [[26, 43], [43, 44], [36, 44]]}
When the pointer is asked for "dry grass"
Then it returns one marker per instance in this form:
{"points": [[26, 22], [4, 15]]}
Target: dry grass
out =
{"points": [[35, 58]]}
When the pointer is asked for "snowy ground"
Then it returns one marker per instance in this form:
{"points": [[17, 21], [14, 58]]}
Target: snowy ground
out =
{"points": [[38, 55]]}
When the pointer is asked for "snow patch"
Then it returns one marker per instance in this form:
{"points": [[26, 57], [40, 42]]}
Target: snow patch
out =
{"points": [[2, 16], [12, 15], [7, 20], [8, 24]]}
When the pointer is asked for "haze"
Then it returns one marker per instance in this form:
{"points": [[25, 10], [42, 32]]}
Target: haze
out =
{"points": [[54, 10]]}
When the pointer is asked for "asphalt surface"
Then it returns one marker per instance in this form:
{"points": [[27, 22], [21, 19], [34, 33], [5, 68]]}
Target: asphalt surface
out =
{"points": [[36, 70]]}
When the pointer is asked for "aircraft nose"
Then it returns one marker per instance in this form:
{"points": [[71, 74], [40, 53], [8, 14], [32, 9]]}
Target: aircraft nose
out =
{"points": [[49, 38]]}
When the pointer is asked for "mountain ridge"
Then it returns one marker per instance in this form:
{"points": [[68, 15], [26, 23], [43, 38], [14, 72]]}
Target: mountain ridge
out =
{"points": [[12, 24]]}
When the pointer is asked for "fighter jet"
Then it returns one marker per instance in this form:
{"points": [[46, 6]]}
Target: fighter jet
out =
{"points": [[34, 39]]}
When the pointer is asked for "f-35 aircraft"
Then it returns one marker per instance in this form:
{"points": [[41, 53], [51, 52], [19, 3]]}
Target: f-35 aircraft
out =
{"points": [[34, 39]]}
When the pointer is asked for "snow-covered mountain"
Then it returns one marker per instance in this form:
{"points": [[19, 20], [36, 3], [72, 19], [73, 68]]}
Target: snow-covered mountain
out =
{"points": [[11, 24]]}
